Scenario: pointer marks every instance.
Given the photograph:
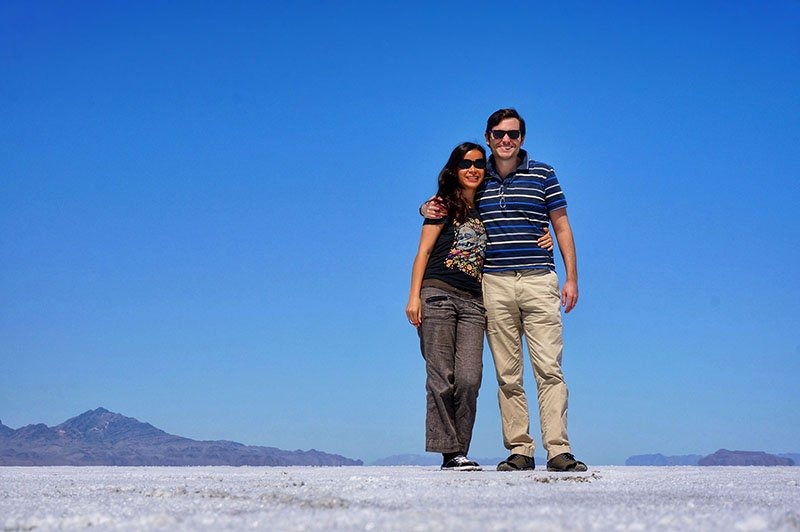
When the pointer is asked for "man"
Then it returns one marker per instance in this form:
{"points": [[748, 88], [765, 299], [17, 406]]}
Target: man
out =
{"points": [[520, 198]]}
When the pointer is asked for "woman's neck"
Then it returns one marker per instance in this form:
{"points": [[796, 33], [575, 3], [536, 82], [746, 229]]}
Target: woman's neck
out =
{"points": [[469, 196]]}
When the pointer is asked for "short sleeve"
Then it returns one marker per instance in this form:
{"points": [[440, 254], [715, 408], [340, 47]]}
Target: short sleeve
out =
{"points": [[554, 197]]}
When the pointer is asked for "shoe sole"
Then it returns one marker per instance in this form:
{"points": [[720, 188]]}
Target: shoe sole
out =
{"points": [[506, 468], [508, 465], [462, 468]]}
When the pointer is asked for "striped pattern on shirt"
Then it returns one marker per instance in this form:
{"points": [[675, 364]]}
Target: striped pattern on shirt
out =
{"points": [[515, 211]]}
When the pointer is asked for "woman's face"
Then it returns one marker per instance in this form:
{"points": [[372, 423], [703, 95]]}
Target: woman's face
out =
{"points": [[471, 177]]}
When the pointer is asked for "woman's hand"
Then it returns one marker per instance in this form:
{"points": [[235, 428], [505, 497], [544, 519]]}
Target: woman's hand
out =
{"points": [[414, 311], [546, 240]]}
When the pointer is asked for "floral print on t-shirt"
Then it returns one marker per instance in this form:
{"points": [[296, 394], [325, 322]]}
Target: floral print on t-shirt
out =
{"points": [[469, 248]]}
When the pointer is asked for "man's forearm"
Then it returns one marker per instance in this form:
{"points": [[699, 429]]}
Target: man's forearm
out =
{"points": [[566, 245]]}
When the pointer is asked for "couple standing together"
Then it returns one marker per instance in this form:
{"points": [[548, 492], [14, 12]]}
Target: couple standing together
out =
{"points": [[485, 262]]}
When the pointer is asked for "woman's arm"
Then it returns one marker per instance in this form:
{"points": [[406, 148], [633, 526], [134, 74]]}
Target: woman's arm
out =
{"points": [[430, 232]]}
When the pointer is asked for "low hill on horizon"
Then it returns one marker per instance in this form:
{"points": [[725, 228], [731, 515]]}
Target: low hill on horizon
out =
{"points": [[103, 438], [724, 457]]}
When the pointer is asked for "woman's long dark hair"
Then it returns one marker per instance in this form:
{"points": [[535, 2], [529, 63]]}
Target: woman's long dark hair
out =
{"points": [[449, 189]]}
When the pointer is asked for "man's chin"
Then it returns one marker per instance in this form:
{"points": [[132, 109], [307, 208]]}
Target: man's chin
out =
{"points": [[505, 155]]}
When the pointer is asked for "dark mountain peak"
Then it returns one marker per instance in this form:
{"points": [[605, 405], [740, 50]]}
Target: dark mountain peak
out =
{"points": [[90, 419], [109, 426]]}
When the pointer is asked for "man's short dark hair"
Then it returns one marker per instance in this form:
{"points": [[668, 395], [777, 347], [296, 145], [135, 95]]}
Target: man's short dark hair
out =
{"points": [[500, 115]]}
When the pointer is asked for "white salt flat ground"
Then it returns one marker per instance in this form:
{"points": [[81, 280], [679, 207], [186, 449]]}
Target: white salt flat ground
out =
{"points": [[398, 498]]}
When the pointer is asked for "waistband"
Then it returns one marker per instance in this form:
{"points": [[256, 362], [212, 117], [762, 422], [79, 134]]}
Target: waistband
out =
{"points": [[436, 283], [521, 273]]}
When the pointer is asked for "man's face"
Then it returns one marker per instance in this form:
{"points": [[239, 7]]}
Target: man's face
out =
{"points": [[505, 148]]}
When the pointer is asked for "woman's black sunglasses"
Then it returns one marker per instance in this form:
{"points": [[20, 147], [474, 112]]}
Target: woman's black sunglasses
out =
{"points": [[480, 164]]}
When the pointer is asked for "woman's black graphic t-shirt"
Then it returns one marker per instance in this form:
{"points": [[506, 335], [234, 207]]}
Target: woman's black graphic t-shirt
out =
{"points": [[457, 257]]}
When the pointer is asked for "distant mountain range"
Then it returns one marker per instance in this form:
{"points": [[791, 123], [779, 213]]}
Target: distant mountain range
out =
{"points": [[721, 457], [661, 460], [410, 459], [102, 438]]}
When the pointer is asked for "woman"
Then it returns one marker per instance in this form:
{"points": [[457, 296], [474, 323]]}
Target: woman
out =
{"points": [[446, 306]]}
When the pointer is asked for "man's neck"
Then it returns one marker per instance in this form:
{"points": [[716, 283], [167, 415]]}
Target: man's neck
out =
{"points": [[506, 166]]}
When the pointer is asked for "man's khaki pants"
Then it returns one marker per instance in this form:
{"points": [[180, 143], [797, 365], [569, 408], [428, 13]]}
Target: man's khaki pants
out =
{"points": [[527, 302]]}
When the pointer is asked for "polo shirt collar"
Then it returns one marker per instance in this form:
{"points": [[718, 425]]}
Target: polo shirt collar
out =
{"points": [[523, 164]]}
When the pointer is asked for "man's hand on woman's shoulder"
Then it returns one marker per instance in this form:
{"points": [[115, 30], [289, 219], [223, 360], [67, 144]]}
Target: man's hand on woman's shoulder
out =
{"points": [[434, 208]]}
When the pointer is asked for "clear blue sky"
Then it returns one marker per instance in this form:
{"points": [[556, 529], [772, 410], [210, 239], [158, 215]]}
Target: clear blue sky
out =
{"points": [[208, 213]]}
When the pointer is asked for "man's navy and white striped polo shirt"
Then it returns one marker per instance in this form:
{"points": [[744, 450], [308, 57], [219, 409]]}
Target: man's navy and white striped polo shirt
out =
{"points": [[515, 211]]}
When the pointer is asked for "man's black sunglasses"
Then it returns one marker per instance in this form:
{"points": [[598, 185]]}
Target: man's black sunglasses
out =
{"points": [[500, 133], [480, 164]]}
